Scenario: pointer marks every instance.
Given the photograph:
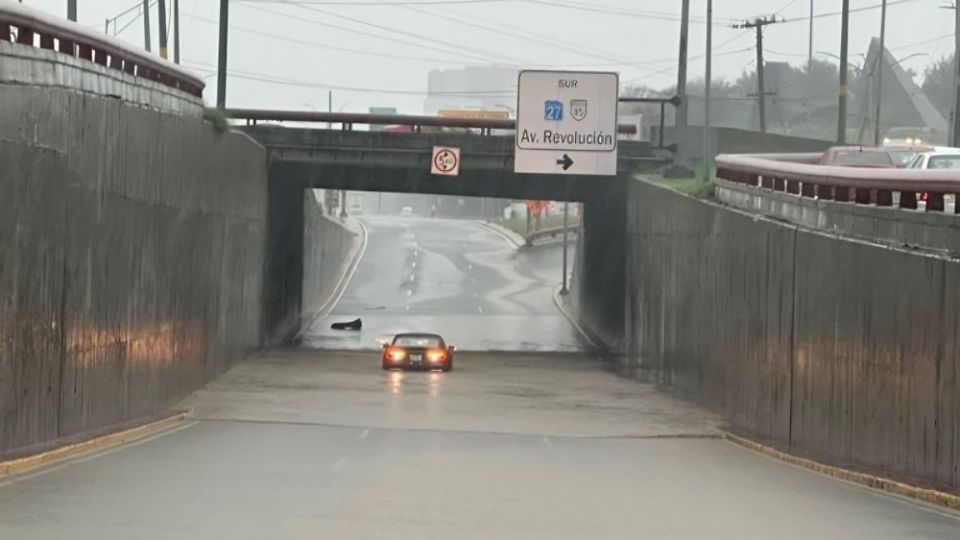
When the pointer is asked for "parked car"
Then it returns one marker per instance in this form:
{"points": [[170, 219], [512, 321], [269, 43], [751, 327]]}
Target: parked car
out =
{"points": [[942, 158], [857, 156], [903, 155]]}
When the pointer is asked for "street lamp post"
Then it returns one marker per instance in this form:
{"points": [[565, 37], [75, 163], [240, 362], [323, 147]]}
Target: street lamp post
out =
{"points": [[222, 57], [842, 90], [882, 59]]}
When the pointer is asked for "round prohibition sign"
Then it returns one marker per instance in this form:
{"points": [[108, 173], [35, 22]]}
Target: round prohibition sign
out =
{"points": [[445, 160]]}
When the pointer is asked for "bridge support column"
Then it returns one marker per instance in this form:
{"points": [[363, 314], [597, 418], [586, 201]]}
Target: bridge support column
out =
{"points": [[601, 262], [283, 276]]}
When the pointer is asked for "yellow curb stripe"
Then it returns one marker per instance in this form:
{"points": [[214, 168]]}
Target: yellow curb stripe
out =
{"points": [[24, 464], [934, 496]]}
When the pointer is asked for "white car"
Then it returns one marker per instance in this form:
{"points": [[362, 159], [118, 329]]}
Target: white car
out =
{"points": [[406, 211], [940, 158]]}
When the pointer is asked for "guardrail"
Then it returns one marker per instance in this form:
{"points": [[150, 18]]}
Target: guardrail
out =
{"points": [[798, 174], [550, 233], [416, 122], [32, 28]]}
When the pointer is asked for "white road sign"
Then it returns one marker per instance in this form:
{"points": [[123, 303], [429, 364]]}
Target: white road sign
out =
{"points": [[445, 161], [567, 122]]}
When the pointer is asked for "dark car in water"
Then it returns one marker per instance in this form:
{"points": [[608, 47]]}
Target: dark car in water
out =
{"points": [[418, 351]]}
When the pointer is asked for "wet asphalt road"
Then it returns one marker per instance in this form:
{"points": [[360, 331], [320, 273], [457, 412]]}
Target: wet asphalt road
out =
{"points": [[307, 444], [310, 444], [456, 278]]}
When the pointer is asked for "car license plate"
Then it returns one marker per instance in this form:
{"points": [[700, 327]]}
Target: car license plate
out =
{"points": [[416, 358]]}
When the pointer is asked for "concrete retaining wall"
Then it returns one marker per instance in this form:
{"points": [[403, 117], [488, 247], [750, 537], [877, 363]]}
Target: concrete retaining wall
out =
{"points": [[131, 254], [934, 231], [832, 348], [328, 251]]}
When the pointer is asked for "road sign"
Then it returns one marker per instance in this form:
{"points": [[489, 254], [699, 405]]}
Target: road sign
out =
{"points": [[446, 161], [567, 122], [381, 110]]}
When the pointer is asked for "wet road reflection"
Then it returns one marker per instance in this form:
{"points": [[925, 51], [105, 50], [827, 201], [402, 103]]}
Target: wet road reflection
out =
{"points": [[402, 382], [456, 278]]}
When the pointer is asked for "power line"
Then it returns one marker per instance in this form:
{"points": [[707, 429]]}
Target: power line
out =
{"points": [[322, 45], [518, 35], [853, 10], [347, 29], [468, 50], [252, 76], [381, 3]]}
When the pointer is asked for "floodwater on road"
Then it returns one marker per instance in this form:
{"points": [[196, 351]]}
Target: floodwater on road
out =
{"points": [[460, 279]]}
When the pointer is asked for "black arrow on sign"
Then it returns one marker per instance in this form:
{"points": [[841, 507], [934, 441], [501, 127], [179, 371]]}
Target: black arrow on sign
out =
{"points": [[565, 161]]}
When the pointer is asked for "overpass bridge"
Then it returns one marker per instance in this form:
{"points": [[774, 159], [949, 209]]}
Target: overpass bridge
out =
{"points": [[135, 274], [308, 158]]}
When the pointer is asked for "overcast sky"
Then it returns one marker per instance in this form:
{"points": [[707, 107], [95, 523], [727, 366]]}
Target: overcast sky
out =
{"points": [[288, 54]]}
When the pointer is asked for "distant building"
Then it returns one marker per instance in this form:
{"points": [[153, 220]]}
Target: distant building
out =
{"points": [[471, 88]]}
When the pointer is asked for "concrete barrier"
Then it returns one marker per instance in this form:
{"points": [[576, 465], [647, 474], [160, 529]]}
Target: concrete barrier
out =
{"points": [[131, 254], [831, 348], [329, 250]]}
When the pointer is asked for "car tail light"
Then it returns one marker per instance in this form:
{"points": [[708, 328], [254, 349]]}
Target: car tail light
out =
{"points": [[436, 355], [924, 196], [396, 355]]}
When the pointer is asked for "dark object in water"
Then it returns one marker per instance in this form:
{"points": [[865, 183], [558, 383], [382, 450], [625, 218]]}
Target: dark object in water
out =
{"points": [[352, 325]]}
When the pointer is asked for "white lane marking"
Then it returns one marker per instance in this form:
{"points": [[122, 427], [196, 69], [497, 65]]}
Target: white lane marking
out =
{"points": [[95, 455], [338, 464], [364, 433], [546, 441]]}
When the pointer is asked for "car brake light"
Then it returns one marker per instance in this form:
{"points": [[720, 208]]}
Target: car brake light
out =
{"points": [[396, 355], [436, 355]]}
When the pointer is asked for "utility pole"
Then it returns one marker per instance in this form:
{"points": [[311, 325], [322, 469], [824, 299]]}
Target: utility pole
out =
{"points": [[882, 63], [707, 83], [842, 97], [681, 118], [810, 43], [955, 117], [758, 24], [71, 10], [222, 57], [146, 25], [162, 15], [176, 31]]}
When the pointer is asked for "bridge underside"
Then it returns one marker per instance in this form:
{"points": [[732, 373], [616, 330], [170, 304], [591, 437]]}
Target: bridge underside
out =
{"points": [[303, 159], [400, 162]]}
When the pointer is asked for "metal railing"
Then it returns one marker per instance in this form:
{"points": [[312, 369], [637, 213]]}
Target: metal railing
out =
{"points": [[32, 28], [415, 122], [533, 236], [798, 174]]}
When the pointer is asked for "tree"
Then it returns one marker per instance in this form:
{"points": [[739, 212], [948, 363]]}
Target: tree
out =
{"points": [[938, 84]]}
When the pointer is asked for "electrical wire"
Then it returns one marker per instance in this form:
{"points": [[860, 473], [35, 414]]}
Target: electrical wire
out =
{"points": [[319, 45], [477, 53], [259, 77]]}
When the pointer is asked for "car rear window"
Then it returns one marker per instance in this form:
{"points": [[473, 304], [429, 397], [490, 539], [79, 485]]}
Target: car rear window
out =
{"points": [[854, 158], [903, 158], [418, 341], [944, 162]]}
